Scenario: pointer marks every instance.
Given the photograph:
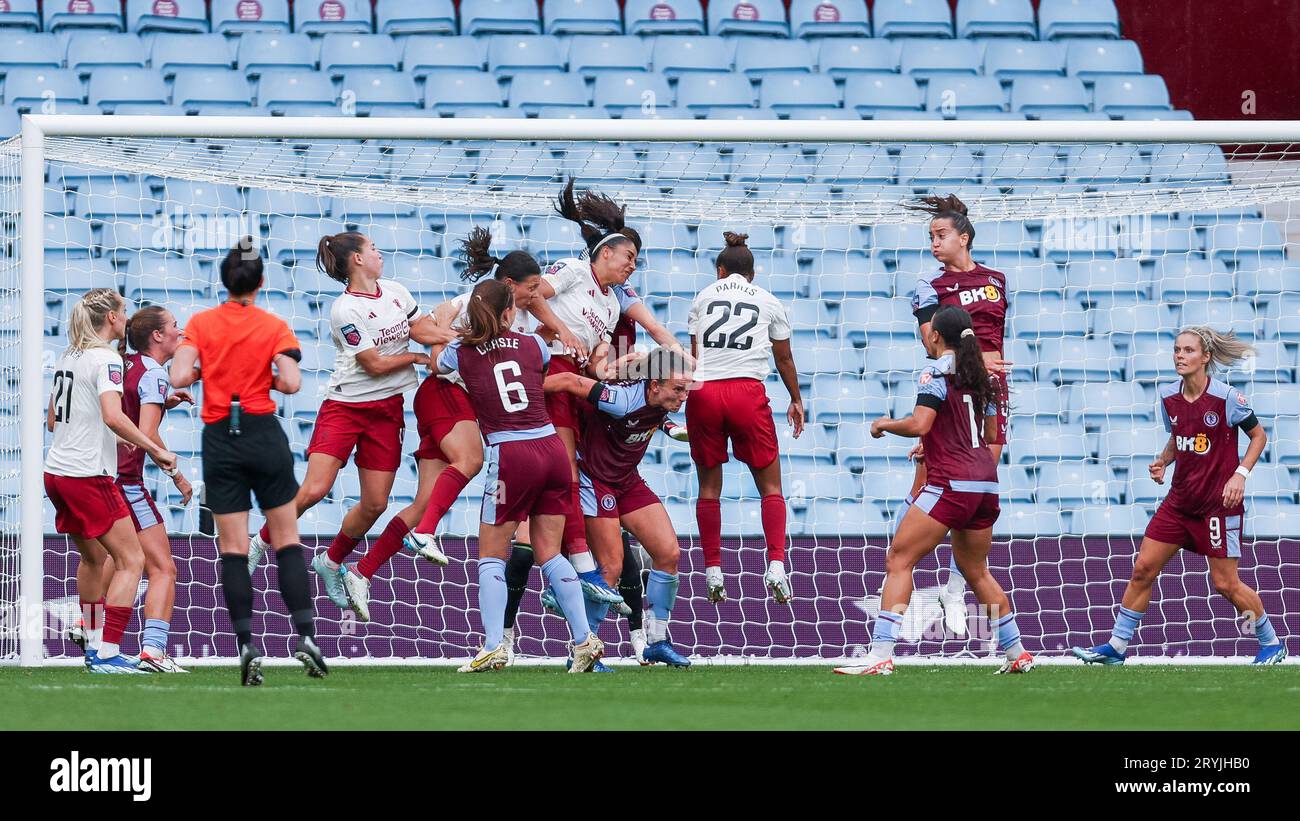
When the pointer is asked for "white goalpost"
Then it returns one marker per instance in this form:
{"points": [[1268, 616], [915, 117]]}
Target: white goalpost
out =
{"points": [[1112, 236]]}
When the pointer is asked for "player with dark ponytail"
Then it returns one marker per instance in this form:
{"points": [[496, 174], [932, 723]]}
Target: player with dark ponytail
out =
{"points": [[955, 414]]}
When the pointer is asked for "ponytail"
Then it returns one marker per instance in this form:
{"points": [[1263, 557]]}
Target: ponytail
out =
{"points": [[1225, 349], [599, 219], [517, 266], [334, 254], [736, 258], [88, 318], [953, 325], [947, 208], [488, 301]]}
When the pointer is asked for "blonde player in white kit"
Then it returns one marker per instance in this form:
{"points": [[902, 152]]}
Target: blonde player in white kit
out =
{"points": [[371, 324], [734, 326], [85, 414]]}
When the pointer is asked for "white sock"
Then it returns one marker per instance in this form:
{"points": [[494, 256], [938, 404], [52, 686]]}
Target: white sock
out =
{"points": [[657, 630], [713, 574], [583, 562], [1120, 645], [776, 567], [107, 650], [95, 638], [882, 649], [956, 585]]}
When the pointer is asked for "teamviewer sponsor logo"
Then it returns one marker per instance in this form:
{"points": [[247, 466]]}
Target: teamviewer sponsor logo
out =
{"points": [[125, 775]]}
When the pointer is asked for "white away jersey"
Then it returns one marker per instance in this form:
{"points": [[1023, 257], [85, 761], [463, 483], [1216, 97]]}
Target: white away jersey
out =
{"points": [[579, 302], [734, 323], [83, 444], [359, 322]]}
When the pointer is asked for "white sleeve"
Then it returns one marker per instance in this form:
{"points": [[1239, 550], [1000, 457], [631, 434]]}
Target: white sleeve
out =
{"points": [[449, 360], [153, 387], [693, 318], [562, 276], [412, 308], [348, 325], [778, 328], [108, 373]]}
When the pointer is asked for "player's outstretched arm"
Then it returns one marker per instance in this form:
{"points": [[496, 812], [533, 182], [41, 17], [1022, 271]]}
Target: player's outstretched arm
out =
{"points": [[376, 364], [790, 378], [427, 331], [541, 311], [110, 407], [642, 316], [568, 383], [915, 425], [183, 371]]}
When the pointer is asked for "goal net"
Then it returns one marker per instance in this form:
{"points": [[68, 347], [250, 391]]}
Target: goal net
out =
{"points": [[1109, 246]]}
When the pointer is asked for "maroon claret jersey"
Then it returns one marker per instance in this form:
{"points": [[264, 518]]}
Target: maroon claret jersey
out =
{"points": [[144, 383], [1205, 442], [615, 437], [956, 455], [982, 292], [503, 378]]}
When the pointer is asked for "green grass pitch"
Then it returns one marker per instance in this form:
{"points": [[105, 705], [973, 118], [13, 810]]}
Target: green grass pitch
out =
{"points": [[703, 698]]}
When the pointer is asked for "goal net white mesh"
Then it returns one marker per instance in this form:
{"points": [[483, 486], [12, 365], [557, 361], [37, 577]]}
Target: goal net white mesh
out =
{"points": [[1108, 249]]}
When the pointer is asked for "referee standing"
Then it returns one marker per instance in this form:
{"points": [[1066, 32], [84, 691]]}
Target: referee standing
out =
{"points": [[245, 451]]}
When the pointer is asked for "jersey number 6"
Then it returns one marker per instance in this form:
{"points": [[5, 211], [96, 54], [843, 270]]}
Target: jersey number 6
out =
{"points": [[509, 390]]}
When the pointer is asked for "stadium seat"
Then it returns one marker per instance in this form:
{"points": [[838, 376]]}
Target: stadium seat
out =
{"points": [[846, 163], [424, 55], [1020, 163], [1271, 280], [164, 279], [1029, 521], [616, 93], [1041, 440], [333, 16], [152, 16], [890, 241], [1009, 60], [750, 17], [276, 202], [1090, 60], [241, 16], [670, 165], [996, 18], [1192, 164], [1179, 277], [20, 15], [1071, 484], [1271, 483], [1270, 401], [10, 122], [278, 88], [834, 517], [1092, 402], [344, 52], [290, 237], [926, 58], [762, 236], [596, 54], [1104, 165], [400, 235], [1077, 18], [1237, 315], [1033, 319], [34, 50], [512, 54], [568, 17], [107, 14], [674, 55], [956, 95], [124, 84], [1272, 361], [1284, 441], [260, 51], [697, 92], [830, 357], [372, 87], [785, 93], [197, 87], [1257, 240], [1039, 95], [1122, 441], [1272, 519], [874, 94], [111, 201], [1079, 360], [663, 17], [757, 58], [842, 57], [926, 165], [912, 18], [836, 18], [1108, 520], [27, 87], [1118, 93], [170, 52], [876, 318], [897, 361], [531, 90], [1036, 399], [763, 163], [1080, 238], [838, 275], [499, 17], [1104, 280], [405, 17]]}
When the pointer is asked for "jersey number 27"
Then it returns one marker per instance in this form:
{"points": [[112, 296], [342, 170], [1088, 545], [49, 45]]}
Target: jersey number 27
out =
{"points": [[740, 339], [62, 396]]}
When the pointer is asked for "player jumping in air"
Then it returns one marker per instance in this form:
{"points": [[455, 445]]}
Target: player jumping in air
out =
{"points": [[1203, 511], [528, 476], [614, 441], [85, 414], [982, 293], [956, 411], [735, 325], [371, 323]]}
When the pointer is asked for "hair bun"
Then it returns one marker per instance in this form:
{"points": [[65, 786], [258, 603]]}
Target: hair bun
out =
{"points": [[733, 239]]}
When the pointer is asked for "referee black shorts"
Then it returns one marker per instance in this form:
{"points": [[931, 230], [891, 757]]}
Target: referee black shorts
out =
{"points": [[257, 461]]}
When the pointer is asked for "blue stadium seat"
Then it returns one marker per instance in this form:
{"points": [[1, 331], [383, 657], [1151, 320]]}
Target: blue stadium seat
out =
{"points": [[757, 58], [197, 87], [77, 275], [260, 51], [510, 54], [1033, 276], [32, 50], [697, 92], [582, 17], [356, 210], [1101, 165], [1156, 113], [1270, 280], [1192, 164], [150, 16], [291, 237], [616, 93], [856, 449], [1284, 440], [1091, 59], [10, 123], [347, 51], [28, 87], [422, 56], [759, 17], [912, 18], [763, 163], [400, 235], [1282, 318], [1122, 442], [762, 236], [891, 241], [1271, 518], [531, 90], [333, 16], [1272, 362], [833, 517], [1021, 163], [1102, 280], [404, 17], [1029, 521], [674, 55], [1153, 365], [1269, 401], [785, 93], [1035, 319], [1168, 240], [170, 52], [125, 84], [551, 237], [499, 17], [1103, 520], [1070, 484], [877, 318], [1257, 240], [1037, 400], [90, 50], [846, 162], [874, 94], [925, 165], [1007, 240], [837, 18], [846, 57], [201, 197], [71, 235], [845, 274], [1009, 60], [670, 165], [241, 16], [1039, 95], [1118, 93], [1077, 18], [1091, 402], [374, 87], [848, 399], [828, 356], [928, 57], [164, 279], [1082, 238], [996, 18], [826, 484], [101, 202], [278, 88], [596, 54], [957, 95], [1237, 315], [107, 14], [1041, 440], [290, 203], [898, 361], [664, 17], [1271, 483], [1179, 277], [20, 15], [1073, 359]]}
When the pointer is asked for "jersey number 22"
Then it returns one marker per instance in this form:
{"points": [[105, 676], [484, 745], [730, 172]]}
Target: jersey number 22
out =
{"points": [[740, 339]]}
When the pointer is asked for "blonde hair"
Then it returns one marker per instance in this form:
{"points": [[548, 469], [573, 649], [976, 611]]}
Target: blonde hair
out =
{"points": [[1224, 349], [88, 318]]}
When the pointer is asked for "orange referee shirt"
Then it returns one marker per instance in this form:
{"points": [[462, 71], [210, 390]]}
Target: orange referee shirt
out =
{"points": [[236, 345]]}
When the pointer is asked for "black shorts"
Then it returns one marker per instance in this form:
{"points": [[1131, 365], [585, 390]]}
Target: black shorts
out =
{"points": [[258, 460]]}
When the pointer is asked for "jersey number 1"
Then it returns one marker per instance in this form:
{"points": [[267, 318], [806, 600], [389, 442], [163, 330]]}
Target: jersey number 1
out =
{"points": [[62, 396], [509, 390], [974, 428]]}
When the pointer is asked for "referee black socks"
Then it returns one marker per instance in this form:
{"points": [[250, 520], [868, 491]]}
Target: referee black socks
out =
{"points": [[295, 588], [629, 583], [237, 589], [517, 569]]}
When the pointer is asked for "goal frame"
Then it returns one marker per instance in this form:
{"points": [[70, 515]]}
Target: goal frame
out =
{"points": [[37, 127]]}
